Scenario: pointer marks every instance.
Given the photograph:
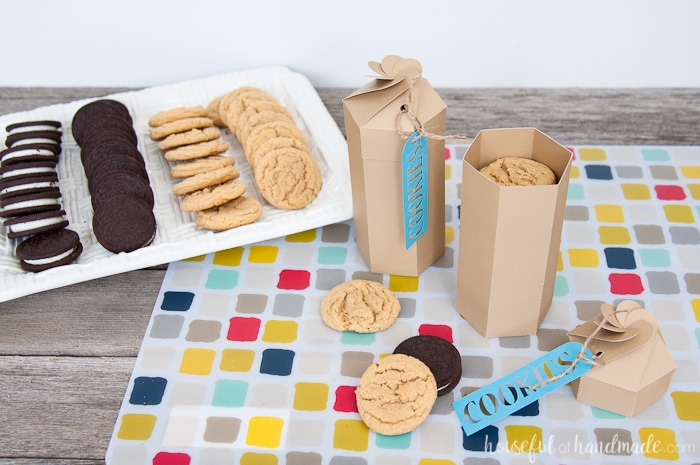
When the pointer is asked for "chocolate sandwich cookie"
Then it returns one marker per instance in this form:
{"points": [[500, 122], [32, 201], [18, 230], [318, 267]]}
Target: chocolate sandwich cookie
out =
{"points": [[29, 152], [17, 139], [26, 168], [33, 202], [439, 355], [84, 118], [124, 223], [38, 125], [19, 185], [49, 249], [120, 182], [27, 225]]}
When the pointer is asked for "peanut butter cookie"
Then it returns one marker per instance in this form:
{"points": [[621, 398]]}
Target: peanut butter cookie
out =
{"points": [[395, 394], [518, 171], [360, 305]]}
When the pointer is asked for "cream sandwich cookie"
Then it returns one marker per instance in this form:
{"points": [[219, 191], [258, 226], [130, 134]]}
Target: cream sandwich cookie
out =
{"points": [[48, 250], [28, 225], [29, 126], [27, 169], [31, 152], [30, 203], [33, 137]]}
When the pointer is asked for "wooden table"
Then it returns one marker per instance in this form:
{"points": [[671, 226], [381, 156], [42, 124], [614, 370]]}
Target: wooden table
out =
{"points": [[66, 355]]}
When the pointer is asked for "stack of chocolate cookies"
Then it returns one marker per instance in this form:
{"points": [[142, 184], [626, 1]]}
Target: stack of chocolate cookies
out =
{"points": [[120, 192], [30, 196]]}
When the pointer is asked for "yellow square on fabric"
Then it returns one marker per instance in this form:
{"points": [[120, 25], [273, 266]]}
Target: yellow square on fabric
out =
{"points": [[636, 191], [592, 154], [583, 257], [350, 435], [197, 361], [240, 360], [228, 257], [524, 439], [687, 405], [256, 458], [614, 235], [560, 262], [403, 283], [692, 172], [263, 254], [694, 191], [136, 426], [435, 462], [679, 213], [448, 172], [609, 213], [659, 443], [264, 432], [575, 172], [449, 234], [280, 331], [303, 236], [696, 309], [310, 396]]}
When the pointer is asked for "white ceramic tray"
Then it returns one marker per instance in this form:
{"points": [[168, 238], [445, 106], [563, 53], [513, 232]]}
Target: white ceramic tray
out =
{"points": [[177, 237]]}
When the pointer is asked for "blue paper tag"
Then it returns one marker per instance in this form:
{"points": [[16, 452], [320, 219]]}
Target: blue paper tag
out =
{"points": [[414, 184], [520, 388]]}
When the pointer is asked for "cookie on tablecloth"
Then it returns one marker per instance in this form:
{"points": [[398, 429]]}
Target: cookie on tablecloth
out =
{"points": [[439, 355], [360, 305], [49, 250], [395, 394]]}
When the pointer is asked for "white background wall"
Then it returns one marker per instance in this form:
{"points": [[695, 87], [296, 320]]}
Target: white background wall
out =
{"points": [[489, 43]]}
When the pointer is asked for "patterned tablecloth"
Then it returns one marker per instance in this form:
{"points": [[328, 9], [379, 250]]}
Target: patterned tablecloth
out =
{"points": [[236, 365]]}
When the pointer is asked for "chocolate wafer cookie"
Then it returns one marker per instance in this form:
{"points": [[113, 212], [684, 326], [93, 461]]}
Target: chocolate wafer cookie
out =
{"points": [[439, 355]]}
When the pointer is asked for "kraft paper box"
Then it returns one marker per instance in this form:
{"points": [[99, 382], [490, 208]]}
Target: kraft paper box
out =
{"points": [[509, 236], [374, 116], [635, 366]]}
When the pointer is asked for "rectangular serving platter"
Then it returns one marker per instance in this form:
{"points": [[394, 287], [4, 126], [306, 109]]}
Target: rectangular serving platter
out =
{"points": [[177, 236]]}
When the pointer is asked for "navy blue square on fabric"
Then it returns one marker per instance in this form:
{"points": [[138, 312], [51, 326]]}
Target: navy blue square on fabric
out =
{"points": [[620, 258], [485, 440], [602, 172], [148, 391], [177, 301]]}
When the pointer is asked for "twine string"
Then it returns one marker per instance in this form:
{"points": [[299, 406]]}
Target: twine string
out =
{"points": [[409, 111], [581, 355]]}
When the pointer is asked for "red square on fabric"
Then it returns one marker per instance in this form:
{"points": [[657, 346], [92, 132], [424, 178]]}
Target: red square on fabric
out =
{"points": [[243, 329], [171, 458], [669, 192], [442, 331], [625, 283], [345, 400], [294, 280]]}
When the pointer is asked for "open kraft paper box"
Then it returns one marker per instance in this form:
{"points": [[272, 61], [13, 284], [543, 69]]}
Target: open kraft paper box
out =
{"points": [[373, 117], [635, 366], [509, 235]]}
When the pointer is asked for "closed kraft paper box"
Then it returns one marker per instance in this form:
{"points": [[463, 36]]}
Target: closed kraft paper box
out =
{"points": [[635, 366], [509, 236], [374, 117]]}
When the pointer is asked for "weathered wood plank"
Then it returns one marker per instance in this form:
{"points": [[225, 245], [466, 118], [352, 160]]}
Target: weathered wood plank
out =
{"points": [[60, 407], [102, 317]]}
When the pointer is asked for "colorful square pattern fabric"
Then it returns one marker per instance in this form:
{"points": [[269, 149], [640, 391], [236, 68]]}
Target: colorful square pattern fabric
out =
{"points": [[236, 365]]}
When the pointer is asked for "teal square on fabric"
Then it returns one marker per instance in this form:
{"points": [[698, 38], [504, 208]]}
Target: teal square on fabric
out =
{"points": [[655, 257], [356, 339], [222, 279], [600, 413], [561, 286], [575, 192], [229, 393], [400, 441], [332, 255], [655, 154]]}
